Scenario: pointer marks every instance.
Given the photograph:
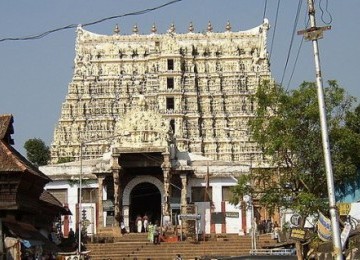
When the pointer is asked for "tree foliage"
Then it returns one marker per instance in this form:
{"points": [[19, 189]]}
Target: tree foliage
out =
{"points": [[37, 152], [287, 128], [65, 159]]}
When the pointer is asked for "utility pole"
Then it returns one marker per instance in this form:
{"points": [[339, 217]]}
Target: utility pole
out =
{"points": [[80, 227], [314, 33]]}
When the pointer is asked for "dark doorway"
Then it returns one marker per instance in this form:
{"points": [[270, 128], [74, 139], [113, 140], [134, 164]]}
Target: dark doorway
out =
{"points": [[145, 198]]}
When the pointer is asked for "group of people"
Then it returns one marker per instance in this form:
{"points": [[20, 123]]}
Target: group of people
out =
{"points": [[154, 233], [267, 226], [142, 223]]}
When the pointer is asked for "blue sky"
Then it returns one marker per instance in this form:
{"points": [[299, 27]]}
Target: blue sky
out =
{"points": [[34, 74]]}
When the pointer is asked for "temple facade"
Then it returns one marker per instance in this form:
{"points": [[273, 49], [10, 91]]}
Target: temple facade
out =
{"points": [[157, 125]]}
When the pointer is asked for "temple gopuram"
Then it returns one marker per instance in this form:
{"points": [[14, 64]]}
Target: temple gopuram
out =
{"points": [[157, 125]]}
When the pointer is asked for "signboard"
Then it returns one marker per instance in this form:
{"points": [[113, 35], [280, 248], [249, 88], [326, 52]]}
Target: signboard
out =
{"points": [[295, 220], [344, 209], [232, 214], [298, 233], [108, 205], [190, 216], [217, 218]]}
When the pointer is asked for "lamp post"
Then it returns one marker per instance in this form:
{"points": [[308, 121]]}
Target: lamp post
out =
{"points": [[249, 205], [313, 34], [80, 197]]}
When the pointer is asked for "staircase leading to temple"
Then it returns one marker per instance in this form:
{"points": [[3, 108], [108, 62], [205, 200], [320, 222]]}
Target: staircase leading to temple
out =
{"points": [[136, 246]]}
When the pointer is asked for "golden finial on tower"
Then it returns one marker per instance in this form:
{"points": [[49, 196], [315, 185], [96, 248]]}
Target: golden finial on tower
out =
{"points": [[172, 28], [228, 26], [191, 27], [153, 28], [135, 29], [209, 27], [117, 29]]}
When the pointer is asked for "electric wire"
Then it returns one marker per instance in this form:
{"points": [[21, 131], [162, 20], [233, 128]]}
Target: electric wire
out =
{"points": [[275, 26], [306, 24], [265, 8], [306, 19], [325, 11], [298, 54], [292, 40], [295, 63], [71, 26]]}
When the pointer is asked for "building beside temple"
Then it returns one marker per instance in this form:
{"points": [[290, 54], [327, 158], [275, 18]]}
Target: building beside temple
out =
{"points": [[28, 213], [157, 124]]}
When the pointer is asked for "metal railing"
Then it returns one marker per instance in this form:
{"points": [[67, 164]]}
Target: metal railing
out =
{"points": [[275, 251]]}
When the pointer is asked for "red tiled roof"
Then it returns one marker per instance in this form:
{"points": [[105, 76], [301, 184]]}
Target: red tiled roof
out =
{"points": [[10, 159], [6, 128], [50, 199]]}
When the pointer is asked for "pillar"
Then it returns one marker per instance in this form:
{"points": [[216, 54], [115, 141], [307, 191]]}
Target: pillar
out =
{"points": [[100, 200], [166, 166], [223, 210], [116, 169], [243, 229], [183, 200], [166, 172]]}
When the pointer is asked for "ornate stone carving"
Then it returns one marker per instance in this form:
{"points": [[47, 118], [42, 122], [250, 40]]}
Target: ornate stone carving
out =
{"points": [[119, 88]]}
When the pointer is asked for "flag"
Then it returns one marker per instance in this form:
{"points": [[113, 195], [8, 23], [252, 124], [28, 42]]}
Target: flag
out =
{"points": [[324, 228]]}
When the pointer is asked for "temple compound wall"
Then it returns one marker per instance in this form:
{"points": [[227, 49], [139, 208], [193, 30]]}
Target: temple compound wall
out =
{"points": [[157, 125]]}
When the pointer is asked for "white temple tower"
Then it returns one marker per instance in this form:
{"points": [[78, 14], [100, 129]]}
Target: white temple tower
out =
{"points": [[201, 83]]}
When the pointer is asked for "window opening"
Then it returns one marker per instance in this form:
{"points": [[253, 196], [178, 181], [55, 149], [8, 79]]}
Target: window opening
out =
{"points": [[170, 103], [170, 83], [170, 64]]}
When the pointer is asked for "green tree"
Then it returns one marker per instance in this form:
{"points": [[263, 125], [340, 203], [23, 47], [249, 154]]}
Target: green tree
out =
{"points": [[65, 159], [287, 128], [37, 152]]}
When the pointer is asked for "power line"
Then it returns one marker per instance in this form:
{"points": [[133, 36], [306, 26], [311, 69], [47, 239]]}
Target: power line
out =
{"points": [[292, 40], [273, 36], [295, 63], [265, 8], [297, 57], [302, 39], [71, 26], [325, 11]]}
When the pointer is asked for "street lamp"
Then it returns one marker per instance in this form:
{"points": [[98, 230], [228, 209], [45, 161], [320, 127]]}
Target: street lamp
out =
{"points": [[250, 206], [80, 197]]}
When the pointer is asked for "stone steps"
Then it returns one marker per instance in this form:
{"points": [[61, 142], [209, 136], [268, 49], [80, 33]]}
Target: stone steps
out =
{"points": [[136, 246]]}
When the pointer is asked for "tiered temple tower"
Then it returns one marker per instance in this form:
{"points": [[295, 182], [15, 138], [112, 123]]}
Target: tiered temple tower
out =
{"points": [[201, 83]]}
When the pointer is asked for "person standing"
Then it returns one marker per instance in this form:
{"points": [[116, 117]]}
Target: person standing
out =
{"points": [[139, 223], [151, 232], [156, 233], [268, 226], [145, 222], [71, 234], [276, 231]]}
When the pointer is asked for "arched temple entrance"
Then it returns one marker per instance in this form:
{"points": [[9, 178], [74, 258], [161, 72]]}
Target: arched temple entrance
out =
{"points": [[143, 194], [145, 198]]}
